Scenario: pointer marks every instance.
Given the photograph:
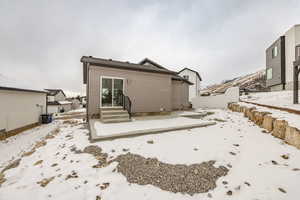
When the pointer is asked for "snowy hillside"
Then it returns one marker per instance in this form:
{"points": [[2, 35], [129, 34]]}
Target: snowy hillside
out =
{"points": [[253, 82]]}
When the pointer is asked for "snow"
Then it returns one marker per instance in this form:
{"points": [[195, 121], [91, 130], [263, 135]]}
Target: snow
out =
{"points": [[17, 84], [104, 129], [16, 145], [280, 99], [64, 102], [71, 94], [252, 163]]}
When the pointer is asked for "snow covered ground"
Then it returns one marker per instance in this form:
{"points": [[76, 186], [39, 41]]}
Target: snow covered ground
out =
{"points": [[254, 159], [281, 99]]}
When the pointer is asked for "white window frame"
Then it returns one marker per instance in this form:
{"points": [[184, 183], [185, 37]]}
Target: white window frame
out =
{"points": [[110, 77], [269, 78], [274, 52]]}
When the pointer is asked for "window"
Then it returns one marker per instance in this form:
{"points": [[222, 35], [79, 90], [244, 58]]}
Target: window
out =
{"points": [[269, 73], [186, 77], [298, 53], [274, 52]]}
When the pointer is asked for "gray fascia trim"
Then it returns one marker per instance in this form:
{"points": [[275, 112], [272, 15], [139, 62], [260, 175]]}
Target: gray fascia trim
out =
{"points": [[133, 69]]}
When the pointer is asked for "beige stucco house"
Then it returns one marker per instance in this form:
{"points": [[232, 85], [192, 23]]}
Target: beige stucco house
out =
{"points": [[149, 86], [20, 106]]}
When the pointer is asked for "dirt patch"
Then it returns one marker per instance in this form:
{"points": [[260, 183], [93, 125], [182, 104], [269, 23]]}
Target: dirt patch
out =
{"points": [[2, 178], [71, 122], [12, 165], [72, 175], [28, 153], [52, 134], [45, 181], [190, 179], [38, 162], [95, 151], [40, 144]]}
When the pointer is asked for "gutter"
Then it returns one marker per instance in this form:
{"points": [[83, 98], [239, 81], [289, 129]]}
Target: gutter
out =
{"points": [[21, 90]]}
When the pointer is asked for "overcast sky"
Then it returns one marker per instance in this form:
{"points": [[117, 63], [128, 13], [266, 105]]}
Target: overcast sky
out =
{"points": [[42, 41]]}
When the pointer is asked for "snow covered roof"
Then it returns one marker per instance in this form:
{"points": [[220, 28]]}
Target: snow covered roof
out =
{"points": [[18, 85], [64, 102]]}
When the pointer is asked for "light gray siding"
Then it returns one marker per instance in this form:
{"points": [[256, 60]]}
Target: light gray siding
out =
{"points": [[149, 92]]}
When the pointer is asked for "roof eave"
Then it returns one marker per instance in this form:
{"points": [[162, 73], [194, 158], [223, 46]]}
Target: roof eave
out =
{"points": [[21, 90]]}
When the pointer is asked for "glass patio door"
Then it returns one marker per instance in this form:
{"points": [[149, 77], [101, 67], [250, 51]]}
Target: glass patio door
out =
{"points": [[111, 88]]}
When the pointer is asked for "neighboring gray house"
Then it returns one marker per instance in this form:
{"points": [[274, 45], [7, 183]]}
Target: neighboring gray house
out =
{"points": [[56, 101], [20, 107], [279, 60], [146, 87], [195, 78]]}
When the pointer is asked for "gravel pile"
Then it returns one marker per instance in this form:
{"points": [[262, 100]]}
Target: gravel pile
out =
{"points": [[190, 179]]}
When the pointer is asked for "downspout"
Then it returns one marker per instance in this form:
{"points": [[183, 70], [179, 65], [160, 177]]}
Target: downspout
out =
{"points": [[87, 91], [47, 103]]}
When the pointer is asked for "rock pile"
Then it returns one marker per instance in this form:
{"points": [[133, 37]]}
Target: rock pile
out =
{"points": [[190, 179], [277, 127]]}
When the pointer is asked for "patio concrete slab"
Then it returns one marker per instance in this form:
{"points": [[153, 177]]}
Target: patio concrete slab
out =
{"points": [[100, 131]]}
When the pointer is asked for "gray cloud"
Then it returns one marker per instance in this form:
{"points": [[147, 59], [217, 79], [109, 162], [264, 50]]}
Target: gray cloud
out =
{"points": [[42, 41]]}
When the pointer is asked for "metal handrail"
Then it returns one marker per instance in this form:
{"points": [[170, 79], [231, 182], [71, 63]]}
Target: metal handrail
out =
{"points": [[125, 102]]}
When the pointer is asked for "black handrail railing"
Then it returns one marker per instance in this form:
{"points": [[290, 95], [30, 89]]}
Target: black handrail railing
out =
{"points": [[125, 102]]}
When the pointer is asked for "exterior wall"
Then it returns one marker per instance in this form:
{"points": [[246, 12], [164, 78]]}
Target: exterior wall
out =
{"points": [[292, 40], [66, 107], [149, 92], [277, 64], [59, 97], [53, 109], [218, 101], [180, 95], [194, 90], [19, 109]]}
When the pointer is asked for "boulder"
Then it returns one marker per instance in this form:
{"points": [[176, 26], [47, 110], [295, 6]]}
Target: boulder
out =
{"points": [[242, 109], [268, 123], [279, 128], [292, 136], [249, 111], [259, 117], [251, 114]]}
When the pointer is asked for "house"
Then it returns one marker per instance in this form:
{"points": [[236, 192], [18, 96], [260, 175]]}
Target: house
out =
{"points": [[56, 101], [279, 60], [20, 107], [195, 78], [83, 101], [145, 87]]}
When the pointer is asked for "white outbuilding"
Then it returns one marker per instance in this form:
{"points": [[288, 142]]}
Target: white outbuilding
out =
{"points": [[20, 106], [193, 77]]}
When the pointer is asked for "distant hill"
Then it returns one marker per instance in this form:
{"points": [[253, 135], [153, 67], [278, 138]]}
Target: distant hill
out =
{"points": [[251, 82]]}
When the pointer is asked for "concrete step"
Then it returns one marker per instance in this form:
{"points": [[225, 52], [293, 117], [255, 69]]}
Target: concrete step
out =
{"points": [[113, 112], [114, 108], [115, 116], [117, 120]]}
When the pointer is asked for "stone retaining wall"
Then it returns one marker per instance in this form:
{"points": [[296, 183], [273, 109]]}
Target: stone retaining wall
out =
{"points": [[277, 127]]}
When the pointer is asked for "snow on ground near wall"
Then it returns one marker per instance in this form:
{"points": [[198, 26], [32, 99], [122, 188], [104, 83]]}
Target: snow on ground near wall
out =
{"points": [[252, 163], [292, 119], [139, 125], [14, 146], [281, 99]]}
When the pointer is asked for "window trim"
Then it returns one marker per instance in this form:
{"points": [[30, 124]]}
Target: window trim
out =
{"points": [[267, 73]]}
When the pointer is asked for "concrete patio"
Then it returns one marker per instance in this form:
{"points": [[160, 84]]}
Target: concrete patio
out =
{"points": [[145, 125]]}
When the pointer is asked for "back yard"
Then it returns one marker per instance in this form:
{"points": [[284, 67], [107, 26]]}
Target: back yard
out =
{"points": [[233, 159]]}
